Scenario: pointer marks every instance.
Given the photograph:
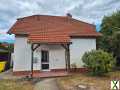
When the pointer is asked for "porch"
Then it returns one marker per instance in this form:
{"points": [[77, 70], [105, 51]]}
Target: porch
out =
{"points": [[50, 74], [41, 74], [54, 52], [52, 62]]}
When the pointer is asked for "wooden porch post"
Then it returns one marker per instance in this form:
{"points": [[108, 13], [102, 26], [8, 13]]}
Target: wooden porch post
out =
{"points": [[32, 57], [66, 60], [67, 56], [32, 53]]}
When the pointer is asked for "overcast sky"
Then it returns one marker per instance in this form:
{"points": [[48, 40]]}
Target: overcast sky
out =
{"points": [[91, 11]]}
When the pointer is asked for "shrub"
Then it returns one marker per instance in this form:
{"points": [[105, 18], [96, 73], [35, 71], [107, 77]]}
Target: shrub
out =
{"points": [[98, 61]]}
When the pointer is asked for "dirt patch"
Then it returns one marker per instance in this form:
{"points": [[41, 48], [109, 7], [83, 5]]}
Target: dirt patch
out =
{"points": [[94, 83], [47, 84]]}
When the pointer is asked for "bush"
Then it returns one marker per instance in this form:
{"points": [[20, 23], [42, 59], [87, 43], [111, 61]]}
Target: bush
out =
{"points": [[98, 61]]}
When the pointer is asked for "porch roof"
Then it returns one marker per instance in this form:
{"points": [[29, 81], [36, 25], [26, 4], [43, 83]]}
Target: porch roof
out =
{"points": [[49, 38]]}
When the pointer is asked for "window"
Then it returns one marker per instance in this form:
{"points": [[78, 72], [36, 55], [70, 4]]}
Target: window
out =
{"points": [[45, 60], [45, 56]]}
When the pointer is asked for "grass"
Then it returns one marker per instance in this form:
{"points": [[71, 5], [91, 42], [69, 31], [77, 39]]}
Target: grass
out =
{"points": [[15, 85], [98, 83]]}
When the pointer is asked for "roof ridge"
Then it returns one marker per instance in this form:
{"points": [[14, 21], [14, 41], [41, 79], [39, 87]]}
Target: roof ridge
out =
{"points": [[39, 16]]}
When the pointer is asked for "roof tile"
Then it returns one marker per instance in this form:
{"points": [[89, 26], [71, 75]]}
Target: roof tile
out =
{"points": [[45, 28]]}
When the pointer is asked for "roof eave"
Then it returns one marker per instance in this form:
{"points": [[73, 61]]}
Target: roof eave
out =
{"points": [[34, 42], [87, 36]]}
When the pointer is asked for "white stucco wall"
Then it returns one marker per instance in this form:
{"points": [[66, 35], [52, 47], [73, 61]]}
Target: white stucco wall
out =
{"points": [[22, 55], [57, 57], [78, 47]]}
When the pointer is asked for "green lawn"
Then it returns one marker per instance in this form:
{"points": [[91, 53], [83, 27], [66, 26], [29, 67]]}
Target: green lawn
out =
{"points": [[15, 85], [98, 83]]}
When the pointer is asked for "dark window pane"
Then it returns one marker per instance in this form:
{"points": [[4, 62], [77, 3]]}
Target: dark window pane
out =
{"points": [[45, 66], [45, 56]]}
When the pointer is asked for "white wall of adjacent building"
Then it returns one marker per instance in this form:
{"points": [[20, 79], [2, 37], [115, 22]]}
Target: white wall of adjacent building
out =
{"points": [[22, 53]]}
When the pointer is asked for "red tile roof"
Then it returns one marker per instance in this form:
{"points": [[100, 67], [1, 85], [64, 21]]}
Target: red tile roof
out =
{"points": [[45, 28], [49, 38]]}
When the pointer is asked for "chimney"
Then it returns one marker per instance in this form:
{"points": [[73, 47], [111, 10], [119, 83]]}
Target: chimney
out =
{"points": [[69, 15]]}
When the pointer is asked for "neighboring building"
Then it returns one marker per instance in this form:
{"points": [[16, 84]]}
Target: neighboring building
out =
{"points": [[5, 55], [51, 43]]}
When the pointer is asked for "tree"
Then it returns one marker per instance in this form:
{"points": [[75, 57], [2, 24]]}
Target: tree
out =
{"points": [[116, 45], [110, 25]]}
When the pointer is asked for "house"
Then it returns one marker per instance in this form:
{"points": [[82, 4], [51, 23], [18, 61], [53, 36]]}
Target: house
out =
{"points": [[45, 43]]}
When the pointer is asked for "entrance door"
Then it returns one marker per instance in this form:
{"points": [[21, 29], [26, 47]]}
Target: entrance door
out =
{"points": [[44, 60]]}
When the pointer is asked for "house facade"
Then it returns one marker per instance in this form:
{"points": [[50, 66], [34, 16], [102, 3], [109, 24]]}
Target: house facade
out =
{"points": [[46, 43]]}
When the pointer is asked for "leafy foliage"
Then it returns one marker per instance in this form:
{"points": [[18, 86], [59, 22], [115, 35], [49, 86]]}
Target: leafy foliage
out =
{"points": [[116, 46], [98, 61], [9, 47], [110, 40]]}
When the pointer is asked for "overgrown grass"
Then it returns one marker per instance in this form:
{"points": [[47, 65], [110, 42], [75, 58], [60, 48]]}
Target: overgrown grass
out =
{"points": [[15, 85], [98, 83]]}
